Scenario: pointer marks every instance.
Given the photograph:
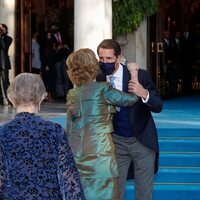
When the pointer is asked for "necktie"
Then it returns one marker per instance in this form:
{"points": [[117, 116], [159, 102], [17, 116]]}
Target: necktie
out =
{"points": [[58, 38], [112, 78]]}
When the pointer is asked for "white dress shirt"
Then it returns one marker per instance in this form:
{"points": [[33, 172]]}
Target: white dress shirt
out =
{"points": [[118, 81]]}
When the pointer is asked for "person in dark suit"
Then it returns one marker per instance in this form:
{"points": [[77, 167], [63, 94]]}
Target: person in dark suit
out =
{"points": [[169, 67], [62, 50], [177, 61], [48, 71], [5, 42], [36, 161], [188, 52], [135, 135]]}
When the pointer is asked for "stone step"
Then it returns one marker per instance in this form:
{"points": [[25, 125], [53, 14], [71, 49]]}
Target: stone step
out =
{"points": [[178, 133], [169, 191], [178, 175], [179, 160], [179, 145]]}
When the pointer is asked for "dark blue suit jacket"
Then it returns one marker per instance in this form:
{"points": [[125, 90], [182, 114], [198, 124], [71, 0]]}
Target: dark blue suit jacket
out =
{"points": [[62, 53], [5, 42], [141, 120]]}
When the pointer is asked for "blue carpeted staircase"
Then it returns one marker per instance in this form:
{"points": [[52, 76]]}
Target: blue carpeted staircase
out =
{"points": [[179, 140]]}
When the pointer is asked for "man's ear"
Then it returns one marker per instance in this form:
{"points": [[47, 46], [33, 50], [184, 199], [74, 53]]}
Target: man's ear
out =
{"points": [[119, 59]]}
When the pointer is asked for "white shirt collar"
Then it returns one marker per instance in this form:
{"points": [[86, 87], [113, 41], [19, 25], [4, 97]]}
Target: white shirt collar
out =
{"points": [[118, 78], [118, 73]]}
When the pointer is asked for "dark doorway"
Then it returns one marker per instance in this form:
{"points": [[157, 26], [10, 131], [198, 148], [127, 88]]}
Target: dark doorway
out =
{"points": [[172, 16], [32, 15], [22, 36]]}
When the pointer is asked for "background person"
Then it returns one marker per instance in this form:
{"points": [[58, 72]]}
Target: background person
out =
{"points": [[36, 60], [178, 78], [134, 135], [5, 66], [90, 107], [48, 72], [169, 66], [188, 53], [36, 161], [62, 50]]}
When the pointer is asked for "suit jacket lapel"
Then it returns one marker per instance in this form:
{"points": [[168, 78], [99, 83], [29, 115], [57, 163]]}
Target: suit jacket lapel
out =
{"points": [[126, 78]]}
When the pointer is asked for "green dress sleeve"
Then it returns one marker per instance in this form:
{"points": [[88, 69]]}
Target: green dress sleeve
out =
{"points": [[118, 98]]}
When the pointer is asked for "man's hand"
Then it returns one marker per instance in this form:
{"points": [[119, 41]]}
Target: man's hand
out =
{"points": [[66, 46], [60, 46], [47, 68], [138, 89]]}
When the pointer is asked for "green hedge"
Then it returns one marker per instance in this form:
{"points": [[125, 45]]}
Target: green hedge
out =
{"points": [[128, 14]]}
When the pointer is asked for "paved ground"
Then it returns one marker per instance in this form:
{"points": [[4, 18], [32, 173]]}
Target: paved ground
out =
{"points": [[47, 110]]}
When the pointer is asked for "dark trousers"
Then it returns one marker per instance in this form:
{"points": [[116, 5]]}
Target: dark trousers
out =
{"points": [[4, 84], [62, 82], [171, 78]]}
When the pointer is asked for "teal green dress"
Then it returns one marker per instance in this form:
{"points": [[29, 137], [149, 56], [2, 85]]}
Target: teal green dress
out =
{"points": [[90, 108]]}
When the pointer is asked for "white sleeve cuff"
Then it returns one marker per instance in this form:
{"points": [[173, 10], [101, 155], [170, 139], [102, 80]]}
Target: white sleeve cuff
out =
{"points": [[147, 98]]}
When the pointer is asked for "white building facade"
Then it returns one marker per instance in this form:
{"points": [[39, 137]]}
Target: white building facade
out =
{"points": [[92, 24]]}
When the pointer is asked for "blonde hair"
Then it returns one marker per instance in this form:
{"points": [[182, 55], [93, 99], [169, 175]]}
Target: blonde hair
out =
{"points": [[26, 89], [83, 66]]}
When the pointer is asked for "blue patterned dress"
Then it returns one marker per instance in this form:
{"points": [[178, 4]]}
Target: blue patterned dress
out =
{"points": [[36, 162]]}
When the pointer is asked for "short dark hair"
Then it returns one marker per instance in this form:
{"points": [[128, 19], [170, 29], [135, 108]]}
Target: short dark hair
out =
{"points": [[110, 44], [5, 26]]}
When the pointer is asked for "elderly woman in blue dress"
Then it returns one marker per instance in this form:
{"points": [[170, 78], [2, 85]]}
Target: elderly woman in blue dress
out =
{"points": [[36, 161]]}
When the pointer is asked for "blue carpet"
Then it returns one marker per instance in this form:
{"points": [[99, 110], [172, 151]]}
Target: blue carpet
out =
{"points": [[170, 191], [179, 141], [60, 120], [180, 113]]}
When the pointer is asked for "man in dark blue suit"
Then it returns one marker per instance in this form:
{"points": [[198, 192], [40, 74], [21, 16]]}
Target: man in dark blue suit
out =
{"points": [[188, 52], [135, 134], [61, 52]]}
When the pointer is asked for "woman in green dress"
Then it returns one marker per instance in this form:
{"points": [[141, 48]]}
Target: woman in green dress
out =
{"points": [[90, 108]]}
